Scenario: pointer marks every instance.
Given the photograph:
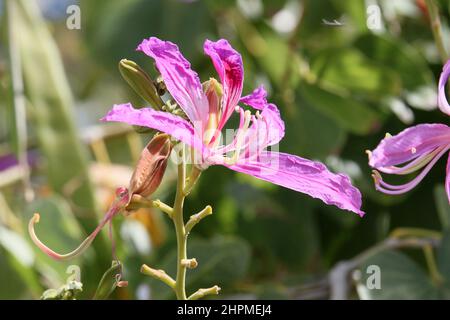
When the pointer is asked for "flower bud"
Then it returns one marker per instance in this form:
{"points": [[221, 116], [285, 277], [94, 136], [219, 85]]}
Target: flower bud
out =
{"points": [[141, 82], [151, 166]]}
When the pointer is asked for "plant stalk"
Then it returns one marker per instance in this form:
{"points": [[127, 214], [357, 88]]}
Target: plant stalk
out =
{"points": [[178, 220]]}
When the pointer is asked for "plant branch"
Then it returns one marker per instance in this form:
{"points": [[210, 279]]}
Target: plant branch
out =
{"points": [[178, 221], [159, 275], [200, 293], [195, 218]]}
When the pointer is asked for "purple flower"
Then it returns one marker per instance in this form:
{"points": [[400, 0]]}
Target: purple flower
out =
{"points": [[415, 148], [210, 106]]}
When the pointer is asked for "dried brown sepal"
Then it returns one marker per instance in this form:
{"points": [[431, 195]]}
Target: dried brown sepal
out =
{"points": [[151, 166]]}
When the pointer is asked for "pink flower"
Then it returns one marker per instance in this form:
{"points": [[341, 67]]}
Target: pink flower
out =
{"points": [[210, 106], [415, 148]]}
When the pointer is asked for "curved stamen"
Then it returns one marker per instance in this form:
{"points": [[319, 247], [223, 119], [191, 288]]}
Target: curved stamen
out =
{"points": [[239, 139], [399, 189], [121, 201], [412, 166]]}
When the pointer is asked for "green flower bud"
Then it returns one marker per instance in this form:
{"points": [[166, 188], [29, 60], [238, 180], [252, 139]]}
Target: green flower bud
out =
{"points": [[141, 82]]}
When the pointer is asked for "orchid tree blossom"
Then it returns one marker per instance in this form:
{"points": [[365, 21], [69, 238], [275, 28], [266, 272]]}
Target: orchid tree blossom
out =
{"points": [[208, 108], [415, 148]]}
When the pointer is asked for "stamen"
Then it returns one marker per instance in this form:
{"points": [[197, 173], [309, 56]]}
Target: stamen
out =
{"points": [[120, 203], [412, 166], [245, 120], [399, 189], [387, 135]]}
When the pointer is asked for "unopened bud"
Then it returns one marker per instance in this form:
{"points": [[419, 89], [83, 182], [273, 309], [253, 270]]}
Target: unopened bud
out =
{"points": [[141, 82], [151, 166]]}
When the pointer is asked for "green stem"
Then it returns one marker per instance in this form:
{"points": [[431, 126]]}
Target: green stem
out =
{"points": [[178, 220], [433, 269], [435, 21]]}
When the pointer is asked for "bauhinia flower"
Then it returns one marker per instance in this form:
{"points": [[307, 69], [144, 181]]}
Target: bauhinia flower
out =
{"points": [[415, 148], [145, 180], [208, 108]]}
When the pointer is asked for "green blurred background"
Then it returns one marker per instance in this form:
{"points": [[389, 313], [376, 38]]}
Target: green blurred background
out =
{"points": [[340, 88]]}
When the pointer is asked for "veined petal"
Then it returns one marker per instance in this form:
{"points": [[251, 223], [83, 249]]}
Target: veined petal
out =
{"points": [[182, 83], [257, 99], [171, 124], [228, 63], [442, 99], [270, 125], [409, 144], [302, 175]]}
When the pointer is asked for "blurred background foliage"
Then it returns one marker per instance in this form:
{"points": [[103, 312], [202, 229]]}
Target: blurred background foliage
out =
{"points": [[340, 88]]}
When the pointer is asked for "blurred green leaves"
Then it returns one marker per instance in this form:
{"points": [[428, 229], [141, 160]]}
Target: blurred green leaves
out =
{"points": [[50, 108], [349, 114], [221, 260], [331, 85]]}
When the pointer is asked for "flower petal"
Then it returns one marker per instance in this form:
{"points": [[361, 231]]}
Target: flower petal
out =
{"points": [[306, 176], [447, 179], [173, 125], [228, 63], [182, 83], [442, 99], [409, 144], [257, 99]]}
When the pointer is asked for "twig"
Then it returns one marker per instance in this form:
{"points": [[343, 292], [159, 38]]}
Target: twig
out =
{"points": [[194, 219], [159, 275], [200, 293]]}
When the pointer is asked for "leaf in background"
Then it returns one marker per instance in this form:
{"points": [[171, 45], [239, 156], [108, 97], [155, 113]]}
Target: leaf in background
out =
{"points": [[179, 22], [50, 102], [443, 261], [401, 278], [310, 133], [400, 56], [443, 209], [356, 10], [221, 261], [57, 228], [348, 69], [350, 114], [16, 265]]}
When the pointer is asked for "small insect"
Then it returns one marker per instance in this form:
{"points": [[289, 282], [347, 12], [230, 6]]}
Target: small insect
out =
{"points": [[334, 23]]}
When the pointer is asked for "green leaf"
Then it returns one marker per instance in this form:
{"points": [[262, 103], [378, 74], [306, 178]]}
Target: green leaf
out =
{"points": [[109, 281], [311, 133], [57, 228], [51, 109], [350, 114], [443, 209], [182, 23], [356, 10], [443, 261], [400, 56], [16, 265], [349, 69], [401, 278]]}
